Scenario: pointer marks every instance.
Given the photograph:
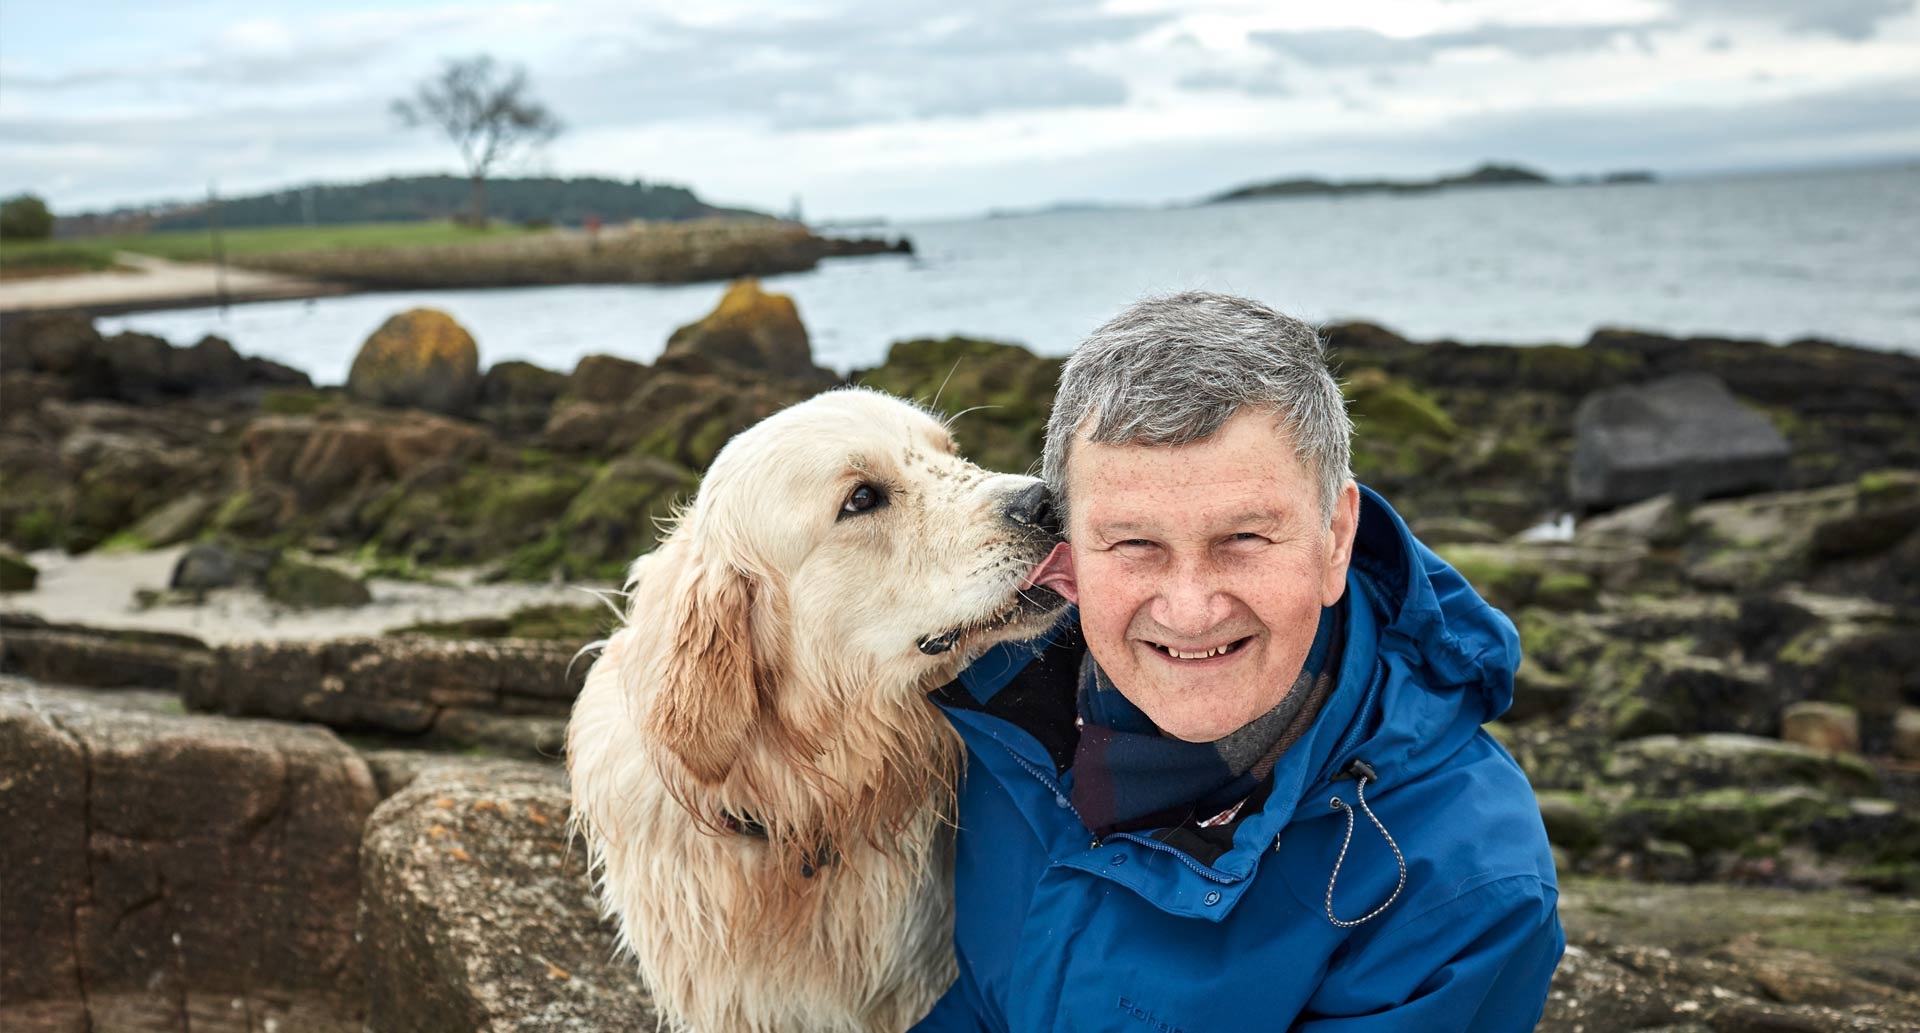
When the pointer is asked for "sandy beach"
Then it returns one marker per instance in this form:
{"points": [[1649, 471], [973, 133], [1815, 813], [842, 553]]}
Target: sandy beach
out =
{"points": [[155, 283], [97, 589]]}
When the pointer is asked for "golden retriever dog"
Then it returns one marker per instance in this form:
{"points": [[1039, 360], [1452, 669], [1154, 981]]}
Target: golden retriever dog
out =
{"points": [[766, 792]]}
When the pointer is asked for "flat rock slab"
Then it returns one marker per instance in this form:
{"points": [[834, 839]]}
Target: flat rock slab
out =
{"points": [[153, 859], [68, 654], [1685, 435], [402, 685], [1723, 958], [479, 914]]}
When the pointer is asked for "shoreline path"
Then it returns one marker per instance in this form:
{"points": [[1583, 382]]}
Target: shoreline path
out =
{"points": [[155, 283]]}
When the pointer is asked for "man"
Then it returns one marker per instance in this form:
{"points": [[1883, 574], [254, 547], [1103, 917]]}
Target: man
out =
{"points": [[1247, 789]]}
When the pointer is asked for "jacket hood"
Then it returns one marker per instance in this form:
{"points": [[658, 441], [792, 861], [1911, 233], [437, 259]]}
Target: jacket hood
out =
{"points": [[1448, 657]]}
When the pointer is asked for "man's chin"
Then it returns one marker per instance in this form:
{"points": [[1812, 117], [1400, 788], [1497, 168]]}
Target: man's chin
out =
{"points": [[1191, 709]]}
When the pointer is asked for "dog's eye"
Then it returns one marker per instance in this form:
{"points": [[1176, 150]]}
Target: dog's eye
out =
{"points": [[863, 499]]}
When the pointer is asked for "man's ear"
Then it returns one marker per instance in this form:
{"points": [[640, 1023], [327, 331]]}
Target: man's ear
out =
{"points": [[706, 703], [1340, 533]]}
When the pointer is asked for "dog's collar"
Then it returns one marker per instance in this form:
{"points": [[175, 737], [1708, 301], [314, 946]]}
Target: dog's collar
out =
{"points": [[748, 825]]}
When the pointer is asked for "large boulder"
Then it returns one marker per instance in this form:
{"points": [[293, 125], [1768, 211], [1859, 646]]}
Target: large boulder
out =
{"points": [[420, 359], [611, 380], [292, 467], [132, 367], [749, 329], [171, 859], [1685, 435], [479, 913], [207, 566], [515, 397]]}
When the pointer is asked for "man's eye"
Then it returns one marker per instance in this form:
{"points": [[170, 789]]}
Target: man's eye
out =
{"points": [[1133, 543], [864, 499], [1247, 536]]}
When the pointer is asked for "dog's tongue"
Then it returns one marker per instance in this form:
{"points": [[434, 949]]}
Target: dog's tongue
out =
{"points": [[1056, 572]]}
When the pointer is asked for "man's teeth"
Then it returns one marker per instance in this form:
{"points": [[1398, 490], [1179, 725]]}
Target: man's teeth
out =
{"points": [[1215, 651]]}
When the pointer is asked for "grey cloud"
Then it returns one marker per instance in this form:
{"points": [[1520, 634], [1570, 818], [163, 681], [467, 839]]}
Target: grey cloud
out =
{"points": [[1345, 47], [1700, 136], [1563, 140], [1263, 82], [1333, 47], [1855, 20], [1547, 40], [314, 56], [894, 62], [143, 159]]}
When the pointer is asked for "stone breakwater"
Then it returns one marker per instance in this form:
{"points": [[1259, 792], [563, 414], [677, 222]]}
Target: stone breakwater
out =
{"points": [[1718, 708]]}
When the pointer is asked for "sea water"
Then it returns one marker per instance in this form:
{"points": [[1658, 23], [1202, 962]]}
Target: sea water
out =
{"points": [[1834, 254]]}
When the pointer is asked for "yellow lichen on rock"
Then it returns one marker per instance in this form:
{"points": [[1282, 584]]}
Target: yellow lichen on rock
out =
{"points": [[420, 358], [749, 328]]}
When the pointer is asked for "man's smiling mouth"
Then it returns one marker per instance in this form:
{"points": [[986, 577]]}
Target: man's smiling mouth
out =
{"points": [[1208, 653]]}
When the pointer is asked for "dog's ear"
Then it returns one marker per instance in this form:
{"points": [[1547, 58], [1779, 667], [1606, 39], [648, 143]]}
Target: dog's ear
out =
{"points": [[706, 703]]}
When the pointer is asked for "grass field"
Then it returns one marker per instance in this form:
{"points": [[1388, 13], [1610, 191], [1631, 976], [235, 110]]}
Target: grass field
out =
{"points": [[51, 258], [29, 258]]}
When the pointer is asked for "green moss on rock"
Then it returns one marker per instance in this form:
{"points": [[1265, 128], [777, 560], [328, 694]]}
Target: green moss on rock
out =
{"points": [[306, 586], [16, 574], [551, 622], [297, 401], [613, 520], [997, 395], [1573, 820]]}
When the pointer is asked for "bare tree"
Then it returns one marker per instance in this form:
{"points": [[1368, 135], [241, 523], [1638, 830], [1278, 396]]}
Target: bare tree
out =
{"points": [[485, 110]]}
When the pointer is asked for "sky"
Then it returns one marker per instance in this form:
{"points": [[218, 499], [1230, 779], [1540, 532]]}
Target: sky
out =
{"points": [[924, 108]]}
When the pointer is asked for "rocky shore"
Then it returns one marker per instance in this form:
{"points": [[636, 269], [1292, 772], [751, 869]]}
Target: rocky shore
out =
{"points": [[1711, 549]]}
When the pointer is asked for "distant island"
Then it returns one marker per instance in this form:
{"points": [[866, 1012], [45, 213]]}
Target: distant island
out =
{"points": [[546, 200], [1486, 175]]}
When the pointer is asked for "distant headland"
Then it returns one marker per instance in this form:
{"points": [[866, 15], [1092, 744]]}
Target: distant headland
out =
{"points": [[1487, 175]]}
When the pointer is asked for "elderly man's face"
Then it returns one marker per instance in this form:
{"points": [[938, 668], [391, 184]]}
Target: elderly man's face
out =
{"points": [[1200, 570]]}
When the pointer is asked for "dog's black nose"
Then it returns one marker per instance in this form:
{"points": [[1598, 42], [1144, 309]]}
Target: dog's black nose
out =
{"points": [[1033, 507]]}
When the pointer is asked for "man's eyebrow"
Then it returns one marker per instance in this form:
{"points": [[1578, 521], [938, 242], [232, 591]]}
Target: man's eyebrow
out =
{"points": [[1255, 517], [1120, 529]]}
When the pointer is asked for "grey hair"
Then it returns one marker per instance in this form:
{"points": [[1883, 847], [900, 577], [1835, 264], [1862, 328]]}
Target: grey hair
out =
{"points": [[1173, 369]]}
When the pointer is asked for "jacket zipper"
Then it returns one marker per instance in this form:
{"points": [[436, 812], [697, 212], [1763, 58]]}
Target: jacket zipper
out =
{"points": [[1360, 724], [1210, 874]]}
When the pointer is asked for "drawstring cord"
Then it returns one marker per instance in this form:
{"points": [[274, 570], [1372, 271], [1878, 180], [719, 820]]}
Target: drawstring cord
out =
{"points": [[1361, 770]]}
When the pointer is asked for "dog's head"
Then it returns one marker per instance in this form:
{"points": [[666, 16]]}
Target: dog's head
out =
{"points": [[839, 549]]}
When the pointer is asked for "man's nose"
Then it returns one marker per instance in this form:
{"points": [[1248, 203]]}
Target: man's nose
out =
{"points": [[1033, 507], [1190, 601]]}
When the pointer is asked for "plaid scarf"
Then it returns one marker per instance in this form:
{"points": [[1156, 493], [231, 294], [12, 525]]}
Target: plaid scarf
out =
{"points": [[1128, 776]]}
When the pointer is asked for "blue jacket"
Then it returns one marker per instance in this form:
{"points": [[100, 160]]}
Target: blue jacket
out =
{"points": [[1223, 930]]}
